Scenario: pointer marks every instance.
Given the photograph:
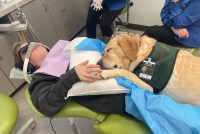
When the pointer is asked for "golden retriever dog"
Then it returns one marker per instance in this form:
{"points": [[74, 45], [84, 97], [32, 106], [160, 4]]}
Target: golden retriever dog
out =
{"points": [[124, 53]]}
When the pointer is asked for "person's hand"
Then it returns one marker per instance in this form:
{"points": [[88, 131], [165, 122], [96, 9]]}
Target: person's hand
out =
{"points": [[88, 72], [174, 1], [181, 32], [97, 5]]}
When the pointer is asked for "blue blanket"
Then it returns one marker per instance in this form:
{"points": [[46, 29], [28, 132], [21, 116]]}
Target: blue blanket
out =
{"points": [[159, 112]]}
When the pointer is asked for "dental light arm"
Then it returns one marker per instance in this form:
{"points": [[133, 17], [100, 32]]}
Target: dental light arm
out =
{"points": [[13, 26]]}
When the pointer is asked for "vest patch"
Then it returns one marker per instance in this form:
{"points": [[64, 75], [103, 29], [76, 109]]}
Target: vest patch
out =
{"points": [[164, 57]]}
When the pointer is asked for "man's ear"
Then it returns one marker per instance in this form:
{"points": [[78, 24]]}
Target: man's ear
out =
{"points": [[129, 46]]}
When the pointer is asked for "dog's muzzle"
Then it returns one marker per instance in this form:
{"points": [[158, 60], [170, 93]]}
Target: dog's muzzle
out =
{"points": [[100, 63]]}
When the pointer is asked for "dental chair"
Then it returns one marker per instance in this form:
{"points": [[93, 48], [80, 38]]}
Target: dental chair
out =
{"points": [[8, 114], [104, 123], [119, 27]]}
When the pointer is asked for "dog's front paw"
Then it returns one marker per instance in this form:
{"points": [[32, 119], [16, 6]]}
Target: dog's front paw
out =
{"points": [[105, 74]]}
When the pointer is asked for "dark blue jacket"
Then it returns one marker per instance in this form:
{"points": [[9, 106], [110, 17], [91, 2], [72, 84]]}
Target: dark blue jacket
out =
{"points": [[183, 14]]}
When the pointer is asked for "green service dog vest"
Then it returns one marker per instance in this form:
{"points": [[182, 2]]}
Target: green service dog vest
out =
{"points": [[164, 57]]}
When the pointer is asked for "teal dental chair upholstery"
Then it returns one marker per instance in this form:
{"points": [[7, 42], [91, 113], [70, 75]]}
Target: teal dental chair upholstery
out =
{"points": [[105, 123], [8, 114]]}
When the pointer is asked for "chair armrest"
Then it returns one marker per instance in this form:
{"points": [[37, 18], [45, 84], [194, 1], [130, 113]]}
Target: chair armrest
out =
{"points": [[71, 109]]}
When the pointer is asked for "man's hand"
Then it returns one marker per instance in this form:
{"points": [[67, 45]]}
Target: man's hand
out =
{"points": [[88, 72], [174, 1], [97, 5], [181, 32]]}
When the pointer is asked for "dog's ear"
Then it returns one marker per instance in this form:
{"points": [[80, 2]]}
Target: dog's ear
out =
{"points": [[129, 45], [136, 38]]}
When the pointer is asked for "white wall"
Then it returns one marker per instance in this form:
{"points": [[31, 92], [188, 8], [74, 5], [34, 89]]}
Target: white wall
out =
{"points": [[146, 12]]}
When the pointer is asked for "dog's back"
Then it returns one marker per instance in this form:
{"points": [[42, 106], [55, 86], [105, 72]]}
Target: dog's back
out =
{"points": [[184, 84]]}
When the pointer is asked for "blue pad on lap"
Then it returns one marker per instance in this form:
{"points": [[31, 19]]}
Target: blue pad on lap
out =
{"points": [[160, 112]]}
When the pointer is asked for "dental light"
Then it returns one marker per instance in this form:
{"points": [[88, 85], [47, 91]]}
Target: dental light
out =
{"points": [[20, 26]]}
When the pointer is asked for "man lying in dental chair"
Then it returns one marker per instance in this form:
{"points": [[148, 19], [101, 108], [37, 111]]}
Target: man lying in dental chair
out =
{"points": [[57, 71]]}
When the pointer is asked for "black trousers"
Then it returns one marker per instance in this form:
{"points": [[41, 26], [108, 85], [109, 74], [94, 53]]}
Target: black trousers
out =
{"points": [[162, 34], [104, 17]]}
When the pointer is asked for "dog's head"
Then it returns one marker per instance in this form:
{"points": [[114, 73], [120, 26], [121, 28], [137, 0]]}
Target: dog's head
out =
{"points": [[120, 51]]}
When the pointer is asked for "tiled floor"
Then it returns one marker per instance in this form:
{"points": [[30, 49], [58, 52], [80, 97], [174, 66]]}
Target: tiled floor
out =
{"points": [[61, 126]]}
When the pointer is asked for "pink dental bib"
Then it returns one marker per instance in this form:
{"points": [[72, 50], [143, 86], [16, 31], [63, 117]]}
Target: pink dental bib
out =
{"points": [[57, 61]]}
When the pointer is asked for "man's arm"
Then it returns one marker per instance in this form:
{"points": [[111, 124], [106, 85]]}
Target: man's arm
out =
{"points": [[48, 92], [185, 16], [165, 13]]}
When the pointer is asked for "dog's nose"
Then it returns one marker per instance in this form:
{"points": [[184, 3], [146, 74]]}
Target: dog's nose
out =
{"points": [[99, 62]]}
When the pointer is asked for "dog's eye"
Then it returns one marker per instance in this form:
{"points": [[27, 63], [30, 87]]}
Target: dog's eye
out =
{"points": [[109, 49], [115, 66]]}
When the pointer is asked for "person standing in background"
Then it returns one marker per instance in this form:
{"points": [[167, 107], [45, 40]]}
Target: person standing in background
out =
{"points": [[181, 24], [103, 12]]}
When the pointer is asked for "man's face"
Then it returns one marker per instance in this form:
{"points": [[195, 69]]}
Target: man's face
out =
{"points": [[37, 56]]}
